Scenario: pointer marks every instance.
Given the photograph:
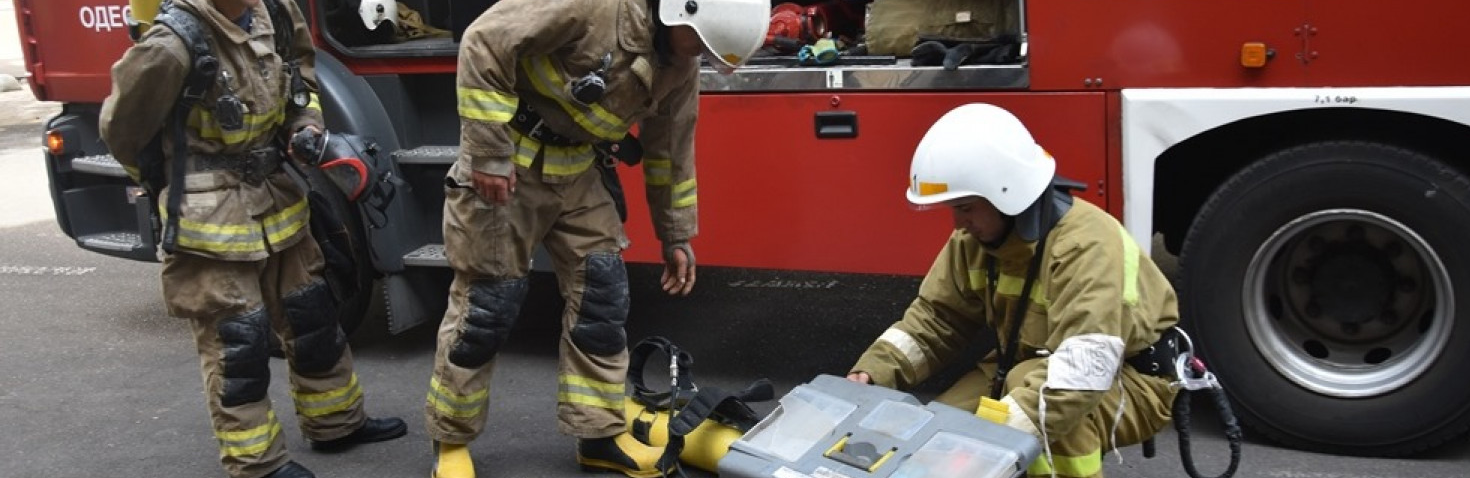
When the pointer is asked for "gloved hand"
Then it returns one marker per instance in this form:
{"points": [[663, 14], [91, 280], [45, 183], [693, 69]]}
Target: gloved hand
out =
{"points": [[823, 52], [306, 145], [993, 410], [678, 276]]}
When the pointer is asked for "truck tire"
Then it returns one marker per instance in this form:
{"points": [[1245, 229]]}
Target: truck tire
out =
{"points": [[1324, 287]]}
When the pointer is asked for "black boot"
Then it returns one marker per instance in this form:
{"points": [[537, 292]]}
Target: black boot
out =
{"points": [[291, 470], [372, 430]]}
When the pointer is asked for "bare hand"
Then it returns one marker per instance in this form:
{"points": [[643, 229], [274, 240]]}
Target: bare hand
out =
{"points": [[860, 377], [678, 277], [495, 189]]}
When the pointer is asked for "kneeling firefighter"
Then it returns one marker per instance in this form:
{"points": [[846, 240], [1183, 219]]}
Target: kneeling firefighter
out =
{"points": [[1086, 351], [548, 92]]}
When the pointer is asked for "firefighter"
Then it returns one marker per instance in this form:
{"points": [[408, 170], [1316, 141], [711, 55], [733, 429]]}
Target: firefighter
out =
{"points": [[547, 93], [243, 263], [1077, 370]]}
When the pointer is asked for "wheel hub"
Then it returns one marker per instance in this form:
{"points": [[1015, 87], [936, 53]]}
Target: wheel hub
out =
{"points": [[1348, 303]]}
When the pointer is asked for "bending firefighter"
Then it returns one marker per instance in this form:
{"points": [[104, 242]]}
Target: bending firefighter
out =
{"points": [[547, 94], [1084, 317], [241, 260]]}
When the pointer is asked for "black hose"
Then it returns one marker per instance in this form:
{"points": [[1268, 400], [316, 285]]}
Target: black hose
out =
{"points": [[1227, 418]]}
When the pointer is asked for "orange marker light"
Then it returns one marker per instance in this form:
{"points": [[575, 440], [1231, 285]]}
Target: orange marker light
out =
{"points": [[1254, 54], [54, 144]]}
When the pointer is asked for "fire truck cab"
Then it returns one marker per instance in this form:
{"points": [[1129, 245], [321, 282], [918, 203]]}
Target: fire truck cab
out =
{"points": [[1306, 159]]}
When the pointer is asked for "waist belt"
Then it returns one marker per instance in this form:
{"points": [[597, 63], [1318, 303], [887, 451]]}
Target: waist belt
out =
{"points": [[528, 122], [1158, 359], [252, 166]]}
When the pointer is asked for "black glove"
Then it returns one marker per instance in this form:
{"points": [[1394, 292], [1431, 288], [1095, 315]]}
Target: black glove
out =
{"points": [[306, 144]]}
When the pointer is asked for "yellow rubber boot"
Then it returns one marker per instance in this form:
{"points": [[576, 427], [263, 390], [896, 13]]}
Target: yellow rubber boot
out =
{"points": [[454, 461], [621, 453]]}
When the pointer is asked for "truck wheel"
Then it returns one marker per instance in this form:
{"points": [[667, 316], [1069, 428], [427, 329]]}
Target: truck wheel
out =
{"points": [[1324, 285]]}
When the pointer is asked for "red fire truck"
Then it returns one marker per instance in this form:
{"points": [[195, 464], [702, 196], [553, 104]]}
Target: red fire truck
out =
{"points": [[1306, 159]]}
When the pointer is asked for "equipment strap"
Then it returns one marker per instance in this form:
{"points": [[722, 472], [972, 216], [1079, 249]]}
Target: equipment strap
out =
{"points": [[203, 68]]}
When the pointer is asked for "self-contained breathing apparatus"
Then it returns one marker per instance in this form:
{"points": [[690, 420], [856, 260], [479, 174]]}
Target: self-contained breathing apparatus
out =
{"points": [[696, 425], [204, 71]]}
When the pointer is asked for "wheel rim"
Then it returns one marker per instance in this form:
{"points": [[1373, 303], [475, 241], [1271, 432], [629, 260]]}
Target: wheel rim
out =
{"points": [[1348, 303]]}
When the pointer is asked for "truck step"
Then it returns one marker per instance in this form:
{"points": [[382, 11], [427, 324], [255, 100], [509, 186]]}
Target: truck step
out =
{"points": [[112, 241], [103, 165], [428, 255], [427, 155]]}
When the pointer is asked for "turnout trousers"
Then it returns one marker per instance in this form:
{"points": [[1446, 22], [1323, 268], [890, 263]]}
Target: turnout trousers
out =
{"points": [[1146, 410], [490, 248], [232, 306]]}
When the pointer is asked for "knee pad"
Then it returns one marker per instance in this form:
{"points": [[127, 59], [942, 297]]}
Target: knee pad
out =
{"points": [[317, 340], [604, 311], [245, 359], [493, 308]]}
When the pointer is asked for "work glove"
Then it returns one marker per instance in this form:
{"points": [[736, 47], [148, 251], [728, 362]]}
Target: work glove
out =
{"points": [[678, 276]]}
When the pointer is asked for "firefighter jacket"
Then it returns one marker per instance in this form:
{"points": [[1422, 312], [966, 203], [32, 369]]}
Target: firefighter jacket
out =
{"points": [[1095, 285], [237, 205], [521, 55]]}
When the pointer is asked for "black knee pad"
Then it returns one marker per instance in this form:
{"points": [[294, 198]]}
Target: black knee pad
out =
{"points": [[245, 360], [493, 308], [317, 340], [604, 311]]}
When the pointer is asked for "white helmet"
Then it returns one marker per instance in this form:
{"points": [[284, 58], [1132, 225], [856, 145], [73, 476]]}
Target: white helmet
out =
{"points": [[732, 30], [375, 12], [980, 150]]}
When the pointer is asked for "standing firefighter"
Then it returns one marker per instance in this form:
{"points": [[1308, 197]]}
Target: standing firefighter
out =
{"points": [[241, 261], [1078, 306], [547, 94]]}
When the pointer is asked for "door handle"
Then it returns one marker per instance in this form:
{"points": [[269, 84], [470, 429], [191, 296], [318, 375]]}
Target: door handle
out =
{"points": [[836, 124]]}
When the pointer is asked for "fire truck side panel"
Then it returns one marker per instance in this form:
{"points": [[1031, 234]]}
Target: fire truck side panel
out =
{"points": [[1139, 43], [1370, 43], [70, 72], [806, 203]]}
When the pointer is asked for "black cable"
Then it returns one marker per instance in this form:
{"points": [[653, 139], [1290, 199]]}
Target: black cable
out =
{"points": [[1227, 417]]}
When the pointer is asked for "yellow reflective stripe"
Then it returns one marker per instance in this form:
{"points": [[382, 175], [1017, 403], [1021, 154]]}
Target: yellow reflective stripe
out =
{"points": [[658, 172], [451, 404], [329, 402], [686, 193], [256, 125], [314, 103], [977, 280], [585, 391], [1130, 267], [557, 160], [567, 160], [286, 222], [486, 105], [1070, 466], [1011, 285], [593, 118], [249, 442], [132, 172], [240, 237]]}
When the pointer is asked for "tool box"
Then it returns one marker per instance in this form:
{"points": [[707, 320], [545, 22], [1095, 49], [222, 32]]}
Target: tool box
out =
{"points": [[835, 428]]}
